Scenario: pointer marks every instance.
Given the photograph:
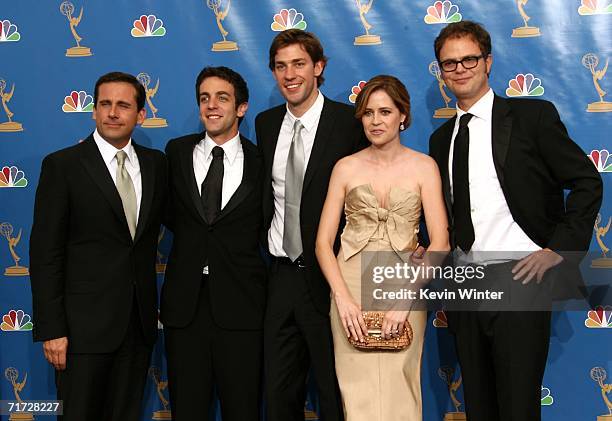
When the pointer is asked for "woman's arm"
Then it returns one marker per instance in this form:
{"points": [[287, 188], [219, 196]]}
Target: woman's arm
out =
{"points": [[349, 310]]}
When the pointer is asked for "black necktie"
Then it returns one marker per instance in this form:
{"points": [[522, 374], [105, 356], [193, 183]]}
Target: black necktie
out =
{"points": [[464, 229], [213, 185]]}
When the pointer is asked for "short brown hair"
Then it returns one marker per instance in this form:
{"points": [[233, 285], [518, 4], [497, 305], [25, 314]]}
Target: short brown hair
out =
{"points": [[392, 87], [120, 77], [307, 40], [466, 28]]}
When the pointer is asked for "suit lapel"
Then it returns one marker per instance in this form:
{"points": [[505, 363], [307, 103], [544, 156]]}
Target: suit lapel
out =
{"points": [[186, 162], [322, 138], [271, 136], [95, 166], [501, 128], [147, 178], [445, 141], [249, 177]]}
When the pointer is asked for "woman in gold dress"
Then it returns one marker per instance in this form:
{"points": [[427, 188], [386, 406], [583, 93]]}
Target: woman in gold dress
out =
{"points": [[382, 190]]}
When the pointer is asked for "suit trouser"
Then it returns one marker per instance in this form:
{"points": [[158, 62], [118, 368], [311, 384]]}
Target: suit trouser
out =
{"points": [[109, 386], [503, 354], [202, 356], [296, 336]]}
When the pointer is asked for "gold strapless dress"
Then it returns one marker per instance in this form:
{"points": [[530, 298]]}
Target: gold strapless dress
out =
{"points": [[378, 386]]}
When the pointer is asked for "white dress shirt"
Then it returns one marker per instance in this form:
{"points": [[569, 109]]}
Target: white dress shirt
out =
{"points": [[494, 228], [233, 163], [310, 121], [131, 164]]}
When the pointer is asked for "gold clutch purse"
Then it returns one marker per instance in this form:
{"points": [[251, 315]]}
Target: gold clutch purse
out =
{"points": [[374, 340]]}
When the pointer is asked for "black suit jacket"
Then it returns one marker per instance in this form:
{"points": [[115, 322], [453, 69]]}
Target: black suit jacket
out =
{"points": [[535, 161], [230, 245], [85, 267], [339, 134]]}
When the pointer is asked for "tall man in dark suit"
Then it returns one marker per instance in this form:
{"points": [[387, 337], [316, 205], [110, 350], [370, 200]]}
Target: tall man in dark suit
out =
{"points": [[301, 141], [213, 298], [504, 165], [93, 247]]}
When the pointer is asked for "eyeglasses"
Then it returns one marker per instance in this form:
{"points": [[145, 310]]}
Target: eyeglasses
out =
{"points": [[468, 62]]}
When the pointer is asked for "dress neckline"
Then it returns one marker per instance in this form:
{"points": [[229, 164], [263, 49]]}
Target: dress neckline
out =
{"points": [[373, 192]]}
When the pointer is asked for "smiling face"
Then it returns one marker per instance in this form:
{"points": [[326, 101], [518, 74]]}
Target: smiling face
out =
{"points": [[116, 112], [296, 77], [468, 85], [381, 119], [218, 111]]}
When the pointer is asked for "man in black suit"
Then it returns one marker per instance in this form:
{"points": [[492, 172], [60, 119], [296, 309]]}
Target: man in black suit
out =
{"points": [[93, 247], [300, 141], [213, 297], [504, 165]]}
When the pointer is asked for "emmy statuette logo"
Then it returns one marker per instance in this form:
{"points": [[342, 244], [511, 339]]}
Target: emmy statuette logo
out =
{"points": [[525, 31], [447, 374], [67, 9], [288, 19], [598, 374], [10, 125], [151, 122], [160, 266], [367, 38], [12, 375], [600, 232], [162, 414], [216, 6], [8, 31], [6, 230], [446, 111], [591, 61]]}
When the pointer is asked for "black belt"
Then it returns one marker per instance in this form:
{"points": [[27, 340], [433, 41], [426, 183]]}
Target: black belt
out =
{"points": [[299, 262]]}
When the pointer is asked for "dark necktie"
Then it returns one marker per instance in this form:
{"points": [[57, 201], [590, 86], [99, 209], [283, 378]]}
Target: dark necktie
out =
{"points": [[462, 218], [213, 185]]}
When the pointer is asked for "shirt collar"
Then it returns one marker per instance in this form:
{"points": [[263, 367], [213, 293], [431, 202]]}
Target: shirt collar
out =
{"points": [[310, 117], [483, 108], [230, 148], [108, 151]]}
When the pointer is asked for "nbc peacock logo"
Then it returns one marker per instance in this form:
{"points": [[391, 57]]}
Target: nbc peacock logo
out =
{"points": [[16, 321], [595, 7], [355, 91], [8, 32], [600, 318], [78, 102], [599, 158], [525, 85], [440, 320], [288, 19], [442, 12], [546, 398], [148, 26], [12, 177]]}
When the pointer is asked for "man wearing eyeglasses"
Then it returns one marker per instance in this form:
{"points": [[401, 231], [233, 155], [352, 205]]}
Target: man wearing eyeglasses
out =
{"points": [[505, 164]]}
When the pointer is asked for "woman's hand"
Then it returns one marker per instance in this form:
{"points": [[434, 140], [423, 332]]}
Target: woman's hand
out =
{"points": [[351, 317], [393, 323]]}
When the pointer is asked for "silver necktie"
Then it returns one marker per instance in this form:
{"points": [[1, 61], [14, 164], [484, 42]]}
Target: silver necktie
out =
{"points": [[294, 180], [126, 190]]}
